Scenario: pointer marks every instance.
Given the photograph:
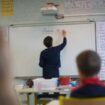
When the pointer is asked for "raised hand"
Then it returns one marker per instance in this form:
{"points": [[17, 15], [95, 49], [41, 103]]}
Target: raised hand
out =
{"points": [[64, 33]]}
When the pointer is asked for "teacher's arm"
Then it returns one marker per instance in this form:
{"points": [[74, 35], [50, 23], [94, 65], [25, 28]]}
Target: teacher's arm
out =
{"points": [[41, 62], [63, 44]]}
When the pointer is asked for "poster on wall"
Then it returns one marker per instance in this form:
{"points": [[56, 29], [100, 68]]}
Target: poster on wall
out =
{"points": [[7, 7], [84, 6], [100, 38]]}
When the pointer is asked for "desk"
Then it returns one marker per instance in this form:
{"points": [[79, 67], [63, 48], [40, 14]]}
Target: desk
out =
{"points": [[29, 91], [55, 102], [33, 90]]}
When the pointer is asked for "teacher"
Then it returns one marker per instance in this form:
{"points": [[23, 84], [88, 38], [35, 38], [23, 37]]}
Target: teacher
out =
{"points": [[50, 57]]}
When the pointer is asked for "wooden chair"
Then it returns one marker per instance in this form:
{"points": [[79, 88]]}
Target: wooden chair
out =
{"points": [[87, 101]]}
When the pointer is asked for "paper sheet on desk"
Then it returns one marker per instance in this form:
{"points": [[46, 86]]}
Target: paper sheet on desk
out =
{"points": [[45, 84]]}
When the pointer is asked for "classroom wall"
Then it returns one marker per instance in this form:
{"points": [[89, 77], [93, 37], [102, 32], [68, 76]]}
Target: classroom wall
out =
{"points": [[28, 11]]}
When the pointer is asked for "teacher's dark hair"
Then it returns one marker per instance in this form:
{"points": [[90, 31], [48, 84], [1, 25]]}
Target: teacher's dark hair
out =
{"points": [[48, 41]]}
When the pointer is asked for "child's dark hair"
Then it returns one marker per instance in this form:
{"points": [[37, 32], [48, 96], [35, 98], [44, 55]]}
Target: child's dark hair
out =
{"points": [[88, 63], [48, 41]]}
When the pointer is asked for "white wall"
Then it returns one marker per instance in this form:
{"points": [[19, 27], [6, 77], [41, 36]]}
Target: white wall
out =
{"points": [[28, 11]]}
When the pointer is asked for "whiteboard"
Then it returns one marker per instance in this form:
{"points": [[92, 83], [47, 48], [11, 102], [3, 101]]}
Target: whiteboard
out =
{"points": [[27, 42], [100, 35]]}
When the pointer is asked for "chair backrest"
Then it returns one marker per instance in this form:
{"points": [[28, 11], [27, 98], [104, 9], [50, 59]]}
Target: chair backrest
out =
{"points": [[87, 101]]}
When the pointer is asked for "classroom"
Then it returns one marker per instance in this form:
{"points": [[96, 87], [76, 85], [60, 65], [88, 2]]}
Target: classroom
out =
{"points": [[56, 51]]}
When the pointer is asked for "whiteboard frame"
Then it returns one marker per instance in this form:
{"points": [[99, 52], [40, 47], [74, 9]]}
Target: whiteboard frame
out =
{"points": [[52, 24]]}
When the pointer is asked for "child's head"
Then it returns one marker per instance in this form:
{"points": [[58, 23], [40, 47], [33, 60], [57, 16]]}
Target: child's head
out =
{"points": [[7, 93], [88, 63], [48, 41]]}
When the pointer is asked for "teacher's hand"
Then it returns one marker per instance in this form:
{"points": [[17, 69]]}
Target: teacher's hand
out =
{"points": [[64, 33]]}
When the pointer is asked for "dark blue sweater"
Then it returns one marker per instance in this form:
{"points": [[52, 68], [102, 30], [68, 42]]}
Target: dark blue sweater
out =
{"points": [[50, 60], [90, 88]]}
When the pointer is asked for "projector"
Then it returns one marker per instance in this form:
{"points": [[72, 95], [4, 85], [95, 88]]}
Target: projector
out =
{"points": [[49, 9]]}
